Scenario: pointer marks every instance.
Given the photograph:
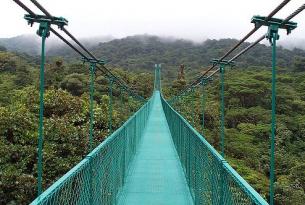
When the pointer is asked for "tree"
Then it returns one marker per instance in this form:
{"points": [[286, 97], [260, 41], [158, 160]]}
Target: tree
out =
{"points": [[75, 83], [7, 62], [23, 76], [299, 64]]}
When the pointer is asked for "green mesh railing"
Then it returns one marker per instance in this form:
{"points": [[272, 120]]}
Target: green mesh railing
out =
{"points": [[210, 178], [98, 178]]}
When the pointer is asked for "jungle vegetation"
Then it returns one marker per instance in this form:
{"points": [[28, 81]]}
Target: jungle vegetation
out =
{"points": [[247, 112]]}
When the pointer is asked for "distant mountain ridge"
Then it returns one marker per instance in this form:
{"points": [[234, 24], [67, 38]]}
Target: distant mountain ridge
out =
{"points": [[141, 52], [30, 43], [24, 44]]}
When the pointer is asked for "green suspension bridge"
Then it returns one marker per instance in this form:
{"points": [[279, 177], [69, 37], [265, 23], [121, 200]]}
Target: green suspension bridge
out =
{"points": [[156, 157]]}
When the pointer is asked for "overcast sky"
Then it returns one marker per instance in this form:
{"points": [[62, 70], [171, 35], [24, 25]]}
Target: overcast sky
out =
{"points": [[189, 19]]}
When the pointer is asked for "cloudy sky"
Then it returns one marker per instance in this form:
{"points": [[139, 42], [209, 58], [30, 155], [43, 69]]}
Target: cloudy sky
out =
{"points": [[189, 19]]}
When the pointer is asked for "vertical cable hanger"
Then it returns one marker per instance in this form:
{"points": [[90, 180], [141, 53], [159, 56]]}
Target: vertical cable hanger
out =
{"points": [[222, 64], [44, 32], [273, 25], [92, 63]]}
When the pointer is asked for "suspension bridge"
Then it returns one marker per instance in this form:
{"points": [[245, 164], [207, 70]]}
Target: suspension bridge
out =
{"points": [[156, 156]]}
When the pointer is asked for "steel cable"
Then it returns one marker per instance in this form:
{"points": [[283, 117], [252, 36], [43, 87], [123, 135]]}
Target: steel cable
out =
{"points": [[103, 69], [198, 80]]}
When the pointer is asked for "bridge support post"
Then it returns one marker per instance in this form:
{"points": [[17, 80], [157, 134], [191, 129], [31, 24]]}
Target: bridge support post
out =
{"points": [[121, 104], [44, 29], [222, 109], [193, 106], [44, 32], [110, 103], [274, 37], [92, 71], [93, 63], [157, 82], [203, 96], [273, 25], [222, 64]]}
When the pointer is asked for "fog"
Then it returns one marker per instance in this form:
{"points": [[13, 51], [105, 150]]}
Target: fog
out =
{"points": [[196, 20]]}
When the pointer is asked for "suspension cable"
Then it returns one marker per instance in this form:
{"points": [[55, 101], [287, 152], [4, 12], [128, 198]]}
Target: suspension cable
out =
{"points": [[198, 80], [296, 12], [196, 83], [67, 42], [277, 9], [103, 69], [106, 71]]}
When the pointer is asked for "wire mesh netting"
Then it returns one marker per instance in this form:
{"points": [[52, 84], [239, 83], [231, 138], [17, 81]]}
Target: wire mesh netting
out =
{"points": [[210, 178], [98, 178]]}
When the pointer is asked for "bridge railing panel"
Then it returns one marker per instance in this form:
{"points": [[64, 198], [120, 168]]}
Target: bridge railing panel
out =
{"points": [[97, 179], [210, 178]]}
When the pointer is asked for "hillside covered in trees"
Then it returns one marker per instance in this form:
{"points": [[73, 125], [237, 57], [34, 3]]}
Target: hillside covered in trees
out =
{"points": [[247, 103], [66, 119], [248, 125], [141, 52]]}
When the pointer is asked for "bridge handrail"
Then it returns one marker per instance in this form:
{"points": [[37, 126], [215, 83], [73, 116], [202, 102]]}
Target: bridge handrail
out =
{"points": [[77, 185], [227, 185]]}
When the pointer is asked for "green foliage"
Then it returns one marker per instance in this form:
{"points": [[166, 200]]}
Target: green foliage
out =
{"points": [[143, 51], [8, 62], [178, 85], [299, 63], [75, 83], [260, 131], [66, 120], [247, 117], [66, 128], [258, 180], [247, 133], [288, 192], [23, 76], [254, 115], [7, 83]]}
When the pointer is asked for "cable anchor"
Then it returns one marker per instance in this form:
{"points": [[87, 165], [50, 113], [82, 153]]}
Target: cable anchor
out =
{"points": [[45, 22], [274, 24]]}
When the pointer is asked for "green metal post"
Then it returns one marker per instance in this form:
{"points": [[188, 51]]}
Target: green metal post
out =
{"points": [[91, 130], [110, 104], [45, 29], [203, 103], [43, 32], [159, 80], [121, 103], [273, 114], [92, 69], [274, 25], [222, 109], [222, 64], [155, 80], [193, 107]]}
